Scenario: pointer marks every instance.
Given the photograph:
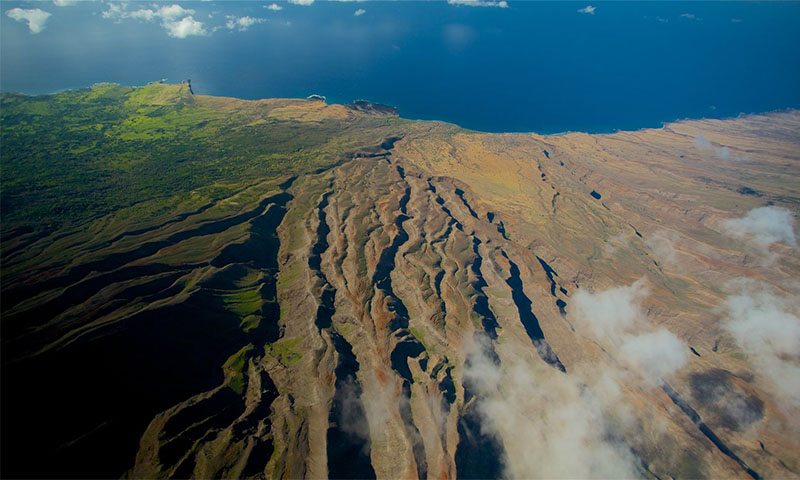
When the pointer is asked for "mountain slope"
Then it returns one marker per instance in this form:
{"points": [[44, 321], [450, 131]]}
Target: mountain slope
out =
{"points": [[291, 289]]}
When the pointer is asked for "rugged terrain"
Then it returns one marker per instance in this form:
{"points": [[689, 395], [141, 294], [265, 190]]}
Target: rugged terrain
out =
{"points": [[202, 286]]}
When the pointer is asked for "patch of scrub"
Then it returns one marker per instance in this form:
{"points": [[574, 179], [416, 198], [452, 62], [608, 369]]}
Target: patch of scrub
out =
{"points": [[235, 366], [286, 351]]}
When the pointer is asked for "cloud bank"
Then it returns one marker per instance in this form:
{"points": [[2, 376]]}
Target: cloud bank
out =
{"points": [[615, 319], [303, 3], [185, 27], [576, 425], [558, 426], [763, 226], [36, 18], [176, 20], [608, 312], [767, 328], [654, 355]]}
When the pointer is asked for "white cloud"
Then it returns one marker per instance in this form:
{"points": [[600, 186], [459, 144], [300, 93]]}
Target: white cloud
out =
{"points": [[304, 3], [176, 20], [654, 355], [360, 12], [174, 11], [613, 310], [722, 153], [662, 244], [144, 14], [35, 18], [690, 16], [615, 319], [480, 3], [702, 142], [185, 27], [242, 23], [274, 7], [65, 3], [767, 328], [118, 11], [582, 423], [573, 420], [588, 10], [764, 226], [115, 11]]}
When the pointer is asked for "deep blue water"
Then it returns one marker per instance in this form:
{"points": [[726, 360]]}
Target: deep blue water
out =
{"points": [[540, 67]]}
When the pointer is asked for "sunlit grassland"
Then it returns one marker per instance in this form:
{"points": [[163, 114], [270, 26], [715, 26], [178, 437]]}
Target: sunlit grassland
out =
{"points": [[286, 350], [77, 155], [235, 368]]}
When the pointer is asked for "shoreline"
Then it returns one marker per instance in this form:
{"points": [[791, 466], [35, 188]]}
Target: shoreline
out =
{"points": [[662, 125]]}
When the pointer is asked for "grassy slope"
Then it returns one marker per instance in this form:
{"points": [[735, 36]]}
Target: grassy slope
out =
{"points": [[71, 157]]}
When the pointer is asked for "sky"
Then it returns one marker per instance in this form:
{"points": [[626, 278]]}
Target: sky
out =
{"points": [[483, 64]]}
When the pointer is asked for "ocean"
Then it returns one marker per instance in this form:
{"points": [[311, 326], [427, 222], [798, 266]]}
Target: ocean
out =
{"points": [[538, 67]]}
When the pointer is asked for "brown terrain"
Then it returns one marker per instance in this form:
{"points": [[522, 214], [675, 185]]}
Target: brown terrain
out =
{"points": [[448, 304]]}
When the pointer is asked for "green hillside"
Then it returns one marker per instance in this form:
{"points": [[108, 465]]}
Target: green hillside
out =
{"points": [[76, 155]]}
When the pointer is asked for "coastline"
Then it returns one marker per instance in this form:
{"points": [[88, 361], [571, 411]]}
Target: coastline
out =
{"points": [[314, 96]]}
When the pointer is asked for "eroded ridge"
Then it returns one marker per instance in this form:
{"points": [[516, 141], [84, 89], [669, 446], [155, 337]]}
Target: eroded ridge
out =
{"points": [[377, 316], [347, 444], [404, 256]]}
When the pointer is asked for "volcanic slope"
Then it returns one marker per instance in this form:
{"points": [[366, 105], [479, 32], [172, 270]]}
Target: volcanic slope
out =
{"points": [[341, 293]]}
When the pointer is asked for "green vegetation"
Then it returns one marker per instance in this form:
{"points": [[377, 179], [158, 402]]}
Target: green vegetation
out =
{"points": [[250, 323], [235, 368], [244, 302], [419, 334], [74, 156], [286, 350], [689, 466]]}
